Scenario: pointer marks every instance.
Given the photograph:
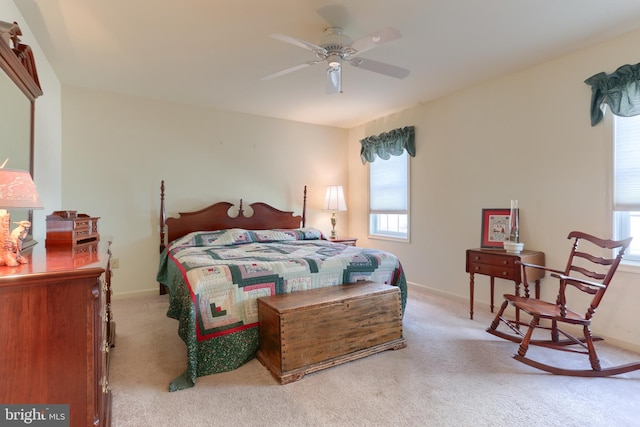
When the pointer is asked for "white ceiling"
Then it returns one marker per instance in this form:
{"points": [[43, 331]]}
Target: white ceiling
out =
{"points": [[213, 53]]}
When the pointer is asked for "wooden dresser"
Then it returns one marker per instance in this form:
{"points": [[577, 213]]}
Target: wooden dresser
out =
{"points": [[56, 331]]}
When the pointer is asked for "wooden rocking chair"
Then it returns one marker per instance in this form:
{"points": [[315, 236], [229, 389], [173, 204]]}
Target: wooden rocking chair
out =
{"points": [[591, 275]]}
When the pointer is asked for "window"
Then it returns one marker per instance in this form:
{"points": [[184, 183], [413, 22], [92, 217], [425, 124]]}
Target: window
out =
{"points": [[389, 197], [626, 183]]}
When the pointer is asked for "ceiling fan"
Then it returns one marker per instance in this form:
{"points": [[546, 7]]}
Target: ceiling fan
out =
{"points": [[335, 48]]}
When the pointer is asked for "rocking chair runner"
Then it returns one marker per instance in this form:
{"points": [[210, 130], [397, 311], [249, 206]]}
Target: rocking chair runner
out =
{"points": [[591, 275]]}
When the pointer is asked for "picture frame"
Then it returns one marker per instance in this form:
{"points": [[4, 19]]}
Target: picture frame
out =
{"points": [[495, 227]]}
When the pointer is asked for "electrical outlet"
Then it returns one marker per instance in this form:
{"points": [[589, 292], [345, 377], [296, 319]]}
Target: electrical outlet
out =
{"points": [[115, 263]]}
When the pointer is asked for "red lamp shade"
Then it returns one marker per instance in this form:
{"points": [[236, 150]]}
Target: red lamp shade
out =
{"points": [[17, 190]]}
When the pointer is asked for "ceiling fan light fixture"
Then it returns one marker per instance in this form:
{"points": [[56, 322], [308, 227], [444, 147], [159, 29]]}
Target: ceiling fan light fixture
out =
{"points": [[334, 60]]}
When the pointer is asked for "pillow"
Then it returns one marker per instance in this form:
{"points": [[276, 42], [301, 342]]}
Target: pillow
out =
{"points": [[239, 236], [311, 233], [234, 236], [264, 236], [198, 238]]}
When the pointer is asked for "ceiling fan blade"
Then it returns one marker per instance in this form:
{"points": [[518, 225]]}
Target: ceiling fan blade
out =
{"points": [[334, 80], [300, 43], [290, 70], [375, 39], [336, 15], [379, 67]]}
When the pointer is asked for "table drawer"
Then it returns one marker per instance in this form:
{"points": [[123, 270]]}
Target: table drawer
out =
{"points": [[493, 259], [507, 271]]}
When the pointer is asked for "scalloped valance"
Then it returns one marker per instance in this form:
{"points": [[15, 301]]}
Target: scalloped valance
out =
{"points": [[385, 145], [619, 90]]}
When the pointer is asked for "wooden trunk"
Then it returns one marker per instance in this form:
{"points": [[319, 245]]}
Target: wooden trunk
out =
{"points": [[302, 332]]}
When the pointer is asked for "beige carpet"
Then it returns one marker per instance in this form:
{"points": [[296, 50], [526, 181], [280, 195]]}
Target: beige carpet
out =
{"points": [[452, 373]]}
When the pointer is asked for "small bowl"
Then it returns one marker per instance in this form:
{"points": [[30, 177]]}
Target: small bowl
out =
{"points": [[513, 248]]}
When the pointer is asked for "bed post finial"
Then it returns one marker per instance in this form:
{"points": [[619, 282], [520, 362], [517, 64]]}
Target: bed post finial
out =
{"points": [[304, 207], [240, 210], [163, 217]]}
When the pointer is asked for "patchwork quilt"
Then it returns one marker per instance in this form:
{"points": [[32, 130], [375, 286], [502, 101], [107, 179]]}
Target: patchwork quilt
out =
{"points": [[215, 278]]}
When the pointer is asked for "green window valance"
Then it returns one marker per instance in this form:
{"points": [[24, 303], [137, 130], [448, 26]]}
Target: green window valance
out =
{"points": [[619, 90], [385, 145]]}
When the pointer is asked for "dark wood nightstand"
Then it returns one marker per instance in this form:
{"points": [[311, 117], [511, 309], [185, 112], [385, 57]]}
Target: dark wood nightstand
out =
{"points": [[501, 264], [349, 241]]}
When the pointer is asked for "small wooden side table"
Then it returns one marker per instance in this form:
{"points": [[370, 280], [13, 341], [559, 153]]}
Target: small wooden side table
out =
{"points": [[349, 241], [501, 264]]}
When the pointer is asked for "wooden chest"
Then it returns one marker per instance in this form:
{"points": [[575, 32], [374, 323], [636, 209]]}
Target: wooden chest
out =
{"points": [[303, 332]]}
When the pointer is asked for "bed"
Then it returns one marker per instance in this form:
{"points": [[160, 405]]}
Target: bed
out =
{"points": [[216, 262]]}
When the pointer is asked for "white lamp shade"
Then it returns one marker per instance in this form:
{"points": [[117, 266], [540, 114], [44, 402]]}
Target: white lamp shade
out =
{"points": [[17, 190], [334, 199]]}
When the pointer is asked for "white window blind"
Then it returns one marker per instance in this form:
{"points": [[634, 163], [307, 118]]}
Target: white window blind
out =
{"points": [[626, 160], [388, 185]]}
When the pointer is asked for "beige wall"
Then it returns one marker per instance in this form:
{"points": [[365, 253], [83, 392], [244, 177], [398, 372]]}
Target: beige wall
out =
{"points": [[525, 136], [117, 149]]}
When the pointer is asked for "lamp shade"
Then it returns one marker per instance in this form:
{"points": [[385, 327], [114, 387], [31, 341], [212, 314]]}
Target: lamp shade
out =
{"points": [[17, 190], [334, 199]]}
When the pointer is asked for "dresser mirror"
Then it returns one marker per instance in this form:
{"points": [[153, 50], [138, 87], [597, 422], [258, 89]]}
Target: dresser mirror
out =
{"points": [[19, 88]]}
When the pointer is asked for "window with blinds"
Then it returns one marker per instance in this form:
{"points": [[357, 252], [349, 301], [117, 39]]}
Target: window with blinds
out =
{"points": [[626, 182], [389, 197]]}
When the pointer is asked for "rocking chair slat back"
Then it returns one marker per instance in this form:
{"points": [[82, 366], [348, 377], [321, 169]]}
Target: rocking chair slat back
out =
{"points": [[591, 264]]}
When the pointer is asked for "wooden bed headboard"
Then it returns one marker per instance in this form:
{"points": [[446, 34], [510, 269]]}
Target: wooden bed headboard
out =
{"points": [[216, 217]]}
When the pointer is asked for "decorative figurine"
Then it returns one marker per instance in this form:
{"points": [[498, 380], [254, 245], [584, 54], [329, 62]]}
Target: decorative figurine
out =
{"points": [[17, 238], [7, 255]]}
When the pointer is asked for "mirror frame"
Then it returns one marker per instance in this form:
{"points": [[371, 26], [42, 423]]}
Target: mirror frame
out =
{"points": [[17, 61]]}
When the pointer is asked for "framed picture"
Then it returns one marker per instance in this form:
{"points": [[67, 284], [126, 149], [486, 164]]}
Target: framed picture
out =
{"points": [[495, 227]]}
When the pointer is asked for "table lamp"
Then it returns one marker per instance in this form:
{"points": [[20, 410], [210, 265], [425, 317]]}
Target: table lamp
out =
{"points": [[17, 191], [334, 201]]}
